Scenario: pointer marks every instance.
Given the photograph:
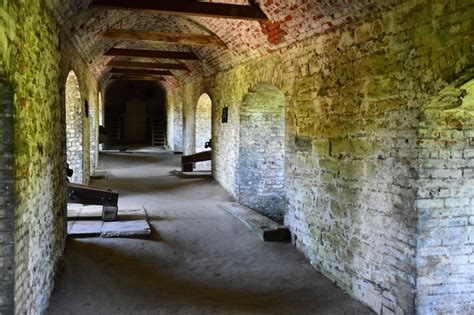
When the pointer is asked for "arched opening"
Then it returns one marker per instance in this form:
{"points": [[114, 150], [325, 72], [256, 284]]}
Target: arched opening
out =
{"points": [[203, 125], [7, 267], [101, 110], [74, 128], [261, 169], [135, 114]]}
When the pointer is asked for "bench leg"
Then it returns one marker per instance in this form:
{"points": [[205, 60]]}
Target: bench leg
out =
{"points": [[109, 213], [187, 167]]}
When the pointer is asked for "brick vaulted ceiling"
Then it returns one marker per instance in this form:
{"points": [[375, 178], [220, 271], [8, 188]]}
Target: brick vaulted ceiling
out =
{"points": [[289, 21]]}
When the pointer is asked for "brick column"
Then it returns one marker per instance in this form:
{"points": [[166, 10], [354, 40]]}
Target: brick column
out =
{"points": [[7, 249]]}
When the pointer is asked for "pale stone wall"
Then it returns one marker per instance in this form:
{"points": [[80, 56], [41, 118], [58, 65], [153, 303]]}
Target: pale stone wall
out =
{"points": [[353, 101], [261, 169], [446, 202]]}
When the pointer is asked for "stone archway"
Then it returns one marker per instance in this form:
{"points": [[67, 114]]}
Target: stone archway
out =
{"points": [[261, 169], [203, 122], [74, 128], [203, 125], [7, 250]]}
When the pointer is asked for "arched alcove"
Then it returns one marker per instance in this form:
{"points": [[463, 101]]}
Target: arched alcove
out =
{"points": [[261, 169], [7, 267], [444, 196], [74, 128], [203, 125]]}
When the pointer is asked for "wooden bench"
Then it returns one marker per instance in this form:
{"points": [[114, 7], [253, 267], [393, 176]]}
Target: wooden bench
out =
{"points": [[86, 195], [187, 161]]}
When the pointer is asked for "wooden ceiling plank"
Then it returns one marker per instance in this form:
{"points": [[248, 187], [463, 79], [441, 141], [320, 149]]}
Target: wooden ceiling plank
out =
{"points": [[156, 54], [175, 38], [187, 8], [136, 78], [146, 65], [140, 71]]}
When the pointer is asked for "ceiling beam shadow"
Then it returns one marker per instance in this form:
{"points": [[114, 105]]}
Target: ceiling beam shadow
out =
{"points": [[140, 71], [146, 65], [136, 78], [157, 54], [175, 38]]}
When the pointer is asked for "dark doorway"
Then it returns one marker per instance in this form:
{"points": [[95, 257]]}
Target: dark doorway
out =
{"points": [[135, 113]]}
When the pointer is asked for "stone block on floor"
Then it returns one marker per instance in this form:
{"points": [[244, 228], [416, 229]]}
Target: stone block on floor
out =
{"points": [[84, 228], [134, 228], [267, 229], [130, 223]]}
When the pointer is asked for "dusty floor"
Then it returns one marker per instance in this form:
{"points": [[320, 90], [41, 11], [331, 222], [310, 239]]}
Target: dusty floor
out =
{"points": [[200, 259]]}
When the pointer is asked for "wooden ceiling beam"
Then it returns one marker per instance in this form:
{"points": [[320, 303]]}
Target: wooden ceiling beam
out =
{"points": [[146, 65], [136, 78], [186, 8], [140, 71], [156, 54], [175, 38]]}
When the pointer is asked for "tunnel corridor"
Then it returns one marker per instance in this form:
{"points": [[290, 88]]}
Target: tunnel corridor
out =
{"points": [[344, 128]]}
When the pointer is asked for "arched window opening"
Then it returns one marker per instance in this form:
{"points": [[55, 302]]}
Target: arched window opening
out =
{"points": [[203, 124], [74, 128], [261, 170]]}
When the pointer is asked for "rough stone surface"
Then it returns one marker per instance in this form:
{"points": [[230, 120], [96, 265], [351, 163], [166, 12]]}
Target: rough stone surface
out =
{"points": [[35, 67], [353, 102], [133, 228]]}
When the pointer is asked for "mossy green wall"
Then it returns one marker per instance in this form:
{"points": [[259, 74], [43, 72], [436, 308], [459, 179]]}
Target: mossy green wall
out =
{"points": [[353, 99], [36, 68]]}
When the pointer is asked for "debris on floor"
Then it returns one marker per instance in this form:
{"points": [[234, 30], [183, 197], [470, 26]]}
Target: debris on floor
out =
{"points": [[85, 221], [194, 174], [100, 174], [267, 229]]}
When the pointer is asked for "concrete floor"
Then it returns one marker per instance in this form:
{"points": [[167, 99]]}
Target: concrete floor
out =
{"points": [[199, 260]]}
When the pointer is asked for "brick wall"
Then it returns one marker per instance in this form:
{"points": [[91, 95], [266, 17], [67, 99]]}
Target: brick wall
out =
{"points": [[261, 169], [74, 128], [36, 67], [353, 99], [446, 201], [7, 250], [30, 55]]}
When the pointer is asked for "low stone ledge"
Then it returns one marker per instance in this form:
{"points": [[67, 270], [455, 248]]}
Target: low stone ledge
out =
{"points": [[267, 229]]}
